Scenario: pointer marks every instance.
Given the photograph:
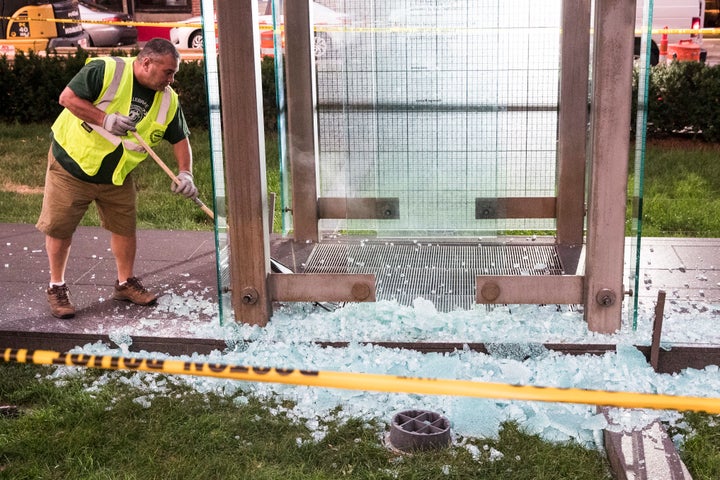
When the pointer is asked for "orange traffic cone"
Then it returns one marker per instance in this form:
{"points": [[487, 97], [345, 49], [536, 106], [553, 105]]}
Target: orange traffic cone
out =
{"points": [[663, 47]]}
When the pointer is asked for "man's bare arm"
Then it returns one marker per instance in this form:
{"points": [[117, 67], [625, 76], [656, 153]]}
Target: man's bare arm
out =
{"points": [[81, 108], [183, 155]]}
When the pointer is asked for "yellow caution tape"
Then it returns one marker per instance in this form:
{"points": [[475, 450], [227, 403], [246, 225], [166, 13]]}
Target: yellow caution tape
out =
{"points": [[356, 29], [121, 23], [368, 382], [103, 22]]}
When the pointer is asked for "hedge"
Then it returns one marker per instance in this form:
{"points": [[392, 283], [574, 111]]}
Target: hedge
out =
{"points": [[31, 84], [683, 97]]}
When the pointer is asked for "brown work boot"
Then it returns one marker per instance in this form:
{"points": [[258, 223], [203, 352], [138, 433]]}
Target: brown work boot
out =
{"points": [[59, 300], [133, 291]]}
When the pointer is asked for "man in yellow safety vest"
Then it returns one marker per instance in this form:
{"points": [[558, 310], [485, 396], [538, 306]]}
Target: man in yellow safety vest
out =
{"points": [[93, 153]]}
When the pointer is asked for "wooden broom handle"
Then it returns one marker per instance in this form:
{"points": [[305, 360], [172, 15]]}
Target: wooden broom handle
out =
{"points": [[170, 173]]}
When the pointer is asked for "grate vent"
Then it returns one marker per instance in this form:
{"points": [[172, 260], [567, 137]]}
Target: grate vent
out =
{"points": [[444, 274], [416, 430]]}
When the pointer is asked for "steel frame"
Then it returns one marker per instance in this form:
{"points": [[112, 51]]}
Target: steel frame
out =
{"points": [[599, 287]]}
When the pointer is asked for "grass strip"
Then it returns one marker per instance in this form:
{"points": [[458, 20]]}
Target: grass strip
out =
{"points": [[92, 425]]}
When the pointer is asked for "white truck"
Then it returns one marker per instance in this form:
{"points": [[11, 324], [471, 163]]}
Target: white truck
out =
{"points": [[673, 14]]}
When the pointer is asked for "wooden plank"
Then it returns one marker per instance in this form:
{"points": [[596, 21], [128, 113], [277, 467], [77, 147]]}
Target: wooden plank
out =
{"points": [[529, 289], [515, 207], [376, 208], [301, 121], [610, 150], [322, 287], [244, 149], [657, 330], [671, 361], [572, 122], [647, 453]]}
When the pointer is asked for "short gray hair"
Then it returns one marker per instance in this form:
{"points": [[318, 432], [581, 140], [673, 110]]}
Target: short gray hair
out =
{"points": [[158, 47]]}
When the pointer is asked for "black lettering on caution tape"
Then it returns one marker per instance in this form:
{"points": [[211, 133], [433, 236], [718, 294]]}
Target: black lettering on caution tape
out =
{"points": [[12, 355]]}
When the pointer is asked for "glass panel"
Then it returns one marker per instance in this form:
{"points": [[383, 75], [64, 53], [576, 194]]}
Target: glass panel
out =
{"points": [[212, 82], [437, 103], [275, 9], [643, 74]]}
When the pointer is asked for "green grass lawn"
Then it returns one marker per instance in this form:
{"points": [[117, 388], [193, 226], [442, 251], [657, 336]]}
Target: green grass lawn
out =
{"points": [[23, 160], [682, 189], [72, 426], [66, 431], [681, 198]]}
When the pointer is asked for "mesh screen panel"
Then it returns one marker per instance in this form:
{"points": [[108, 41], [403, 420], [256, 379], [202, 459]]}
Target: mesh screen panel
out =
{"points": [[442, 273], [439, 102]]}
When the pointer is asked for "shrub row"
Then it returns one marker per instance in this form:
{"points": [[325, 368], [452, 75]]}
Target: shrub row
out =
{"points": [[683, 97], [31, 84]]}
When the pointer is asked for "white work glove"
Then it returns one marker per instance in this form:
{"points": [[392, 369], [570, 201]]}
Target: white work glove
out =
{"points": [[118, 124], [187, 186]]}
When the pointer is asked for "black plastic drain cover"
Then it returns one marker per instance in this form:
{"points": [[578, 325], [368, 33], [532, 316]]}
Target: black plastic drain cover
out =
{"points": [[414, 430]]}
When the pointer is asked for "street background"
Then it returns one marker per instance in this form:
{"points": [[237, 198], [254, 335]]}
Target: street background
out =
{"points": [[712, 45]]}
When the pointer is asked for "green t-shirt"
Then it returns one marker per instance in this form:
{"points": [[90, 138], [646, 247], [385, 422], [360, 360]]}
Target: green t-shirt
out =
{"points": [[88, 84]]}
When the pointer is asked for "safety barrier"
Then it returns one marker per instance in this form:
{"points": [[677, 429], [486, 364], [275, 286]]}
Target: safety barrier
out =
{"points": [[367, 382], [343, 28]]}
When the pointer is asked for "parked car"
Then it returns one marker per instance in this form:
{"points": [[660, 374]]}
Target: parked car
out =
{"points": [[192, 35], [325, 42], [106, 35], [188, 37]]}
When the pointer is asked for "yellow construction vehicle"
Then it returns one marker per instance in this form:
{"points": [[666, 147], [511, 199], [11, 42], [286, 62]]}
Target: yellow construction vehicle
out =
{"points": [[40, 25]]}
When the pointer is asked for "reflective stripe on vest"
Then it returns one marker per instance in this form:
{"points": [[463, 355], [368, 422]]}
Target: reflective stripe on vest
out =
{"points": [[111, 91], [110, 94], [88, 145]]}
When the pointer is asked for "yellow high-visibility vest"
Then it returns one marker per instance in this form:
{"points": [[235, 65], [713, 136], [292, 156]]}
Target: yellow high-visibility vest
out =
{"points": [[88, 144]]}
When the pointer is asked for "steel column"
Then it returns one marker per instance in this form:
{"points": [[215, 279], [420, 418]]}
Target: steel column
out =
{"points": [[244, 147], [572, 121], [301, 120], [610, 149]]}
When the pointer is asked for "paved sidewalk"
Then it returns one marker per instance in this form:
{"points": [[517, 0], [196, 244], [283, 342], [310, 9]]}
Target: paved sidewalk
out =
{"points": [[178, 264], [686, 268], [181, 266]]}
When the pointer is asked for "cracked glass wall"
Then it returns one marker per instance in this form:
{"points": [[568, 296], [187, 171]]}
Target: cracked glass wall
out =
{"points": [[437, 103], [643, 66]]}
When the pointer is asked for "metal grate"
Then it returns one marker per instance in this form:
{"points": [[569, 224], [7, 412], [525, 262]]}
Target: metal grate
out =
{"points": [[444, 274], [437, 103]]}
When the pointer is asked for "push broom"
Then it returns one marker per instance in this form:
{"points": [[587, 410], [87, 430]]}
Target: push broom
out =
{"points": [[276, 266], [170, 173]]}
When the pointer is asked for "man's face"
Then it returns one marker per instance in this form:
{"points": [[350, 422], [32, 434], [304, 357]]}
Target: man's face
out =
{"points": [[158, 72]]}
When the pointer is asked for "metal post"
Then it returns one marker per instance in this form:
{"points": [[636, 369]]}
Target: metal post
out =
{"points": [[657, 330], [610, 149], [572, 122], [244, 146], [301, 120]]}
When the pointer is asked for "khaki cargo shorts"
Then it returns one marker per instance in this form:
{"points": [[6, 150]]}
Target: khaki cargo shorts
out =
{"points": [[66, 199]]}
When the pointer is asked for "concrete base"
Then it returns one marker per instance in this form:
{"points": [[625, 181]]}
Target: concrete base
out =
{"points": [[181, 266], [647, 454]]}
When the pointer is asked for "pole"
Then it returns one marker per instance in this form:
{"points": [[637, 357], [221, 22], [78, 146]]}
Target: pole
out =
{"points": [[170, 173]]}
